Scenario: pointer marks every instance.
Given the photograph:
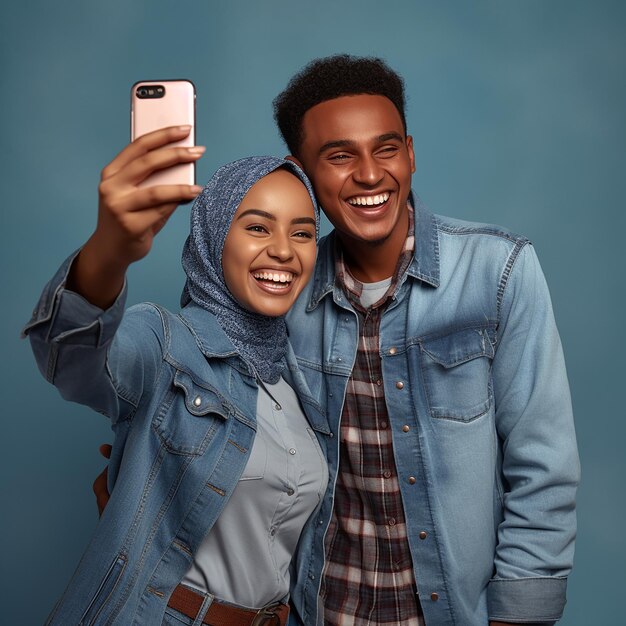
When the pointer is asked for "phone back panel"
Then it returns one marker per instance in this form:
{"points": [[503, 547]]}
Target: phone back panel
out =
{"points": [[175, 106]]}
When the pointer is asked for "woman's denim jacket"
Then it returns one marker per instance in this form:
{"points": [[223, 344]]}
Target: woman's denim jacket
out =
{"points": [[483, 433], [183, 408]]}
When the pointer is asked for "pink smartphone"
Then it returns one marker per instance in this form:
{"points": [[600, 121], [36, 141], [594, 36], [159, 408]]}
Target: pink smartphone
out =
{"points": [[156, 104]]}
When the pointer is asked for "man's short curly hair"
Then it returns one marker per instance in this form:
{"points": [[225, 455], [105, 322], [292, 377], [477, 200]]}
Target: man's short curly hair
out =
{"points": [[332, 77]]}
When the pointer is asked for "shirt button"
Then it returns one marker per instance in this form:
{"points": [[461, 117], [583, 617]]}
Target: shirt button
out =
{"points": [[387, 473], [383, 425], [434, 597], [292, 450], [290, 492], [278, 407], [393, 350], [197, 401], [423, 534], [392, 521], [379, 382], [399, 385], [411, 480], [406, 428]]}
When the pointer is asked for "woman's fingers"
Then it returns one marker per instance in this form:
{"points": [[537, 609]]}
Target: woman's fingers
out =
{"points": [[143, 198], [137, 170], [142, 145]]}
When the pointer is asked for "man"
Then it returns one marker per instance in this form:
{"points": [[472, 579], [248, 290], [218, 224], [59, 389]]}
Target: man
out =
{"points": [[454, 467], [432, 345]]}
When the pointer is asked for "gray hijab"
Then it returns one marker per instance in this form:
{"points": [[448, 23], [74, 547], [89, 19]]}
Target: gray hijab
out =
{"points": [[260, 340]]}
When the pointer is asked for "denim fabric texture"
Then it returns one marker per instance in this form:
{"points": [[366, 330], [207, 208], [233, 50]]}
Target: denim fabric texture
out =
{"points": [[182, 405], [482, 424]]}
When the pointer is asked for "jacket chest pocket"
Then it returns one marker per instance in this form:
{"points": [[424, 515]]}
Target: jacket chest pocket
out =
{"points": [[190, 416], [456, 369]]}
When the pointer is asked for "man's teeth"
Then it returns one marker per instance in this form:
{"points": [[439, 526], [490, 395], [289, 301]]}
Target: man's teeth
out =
{"points": [[277, 277], [369, 200]]}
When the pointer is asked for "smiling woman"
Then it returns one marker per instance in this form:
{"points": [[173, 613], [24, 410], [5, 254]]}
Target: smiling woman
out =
{"points": [[217, 436], [270, 249]]}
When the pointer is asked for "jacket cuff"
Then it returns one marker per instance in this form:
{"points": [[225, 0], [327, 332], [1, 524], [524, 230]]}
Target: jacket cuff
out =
{"points": [[66, 316], [526, 600]]}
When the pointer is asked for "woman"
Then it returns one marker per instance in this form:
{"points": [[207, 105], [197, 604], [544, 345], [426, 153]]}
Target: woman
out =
{"points": [[216, 465]]}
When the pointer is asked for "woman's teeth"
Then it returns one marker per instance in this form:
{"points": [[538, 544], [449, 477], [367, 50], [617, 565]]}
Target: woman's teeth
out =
{"points": [[276, 277], [369, 200]]}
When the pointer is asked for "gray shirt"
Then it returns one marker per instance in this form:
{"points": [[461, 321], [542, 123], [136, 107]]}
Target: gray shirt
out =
{"points": [[245, 558]]}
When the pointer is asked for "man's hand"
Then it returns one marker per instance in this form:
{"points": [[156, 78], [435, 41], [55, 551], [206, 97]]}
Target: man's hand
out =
{"points": [[100, 484]]}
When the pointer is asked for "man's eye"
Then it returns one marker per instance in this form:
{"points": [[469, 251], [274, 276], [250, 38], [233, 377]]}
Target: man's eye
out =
{"points": [[388, 151], [338, 157]]}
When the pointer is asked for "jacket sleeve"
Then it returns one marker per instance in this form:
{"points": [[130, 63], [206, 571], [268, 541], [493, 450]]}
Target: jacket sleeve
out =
{"points": [[540, 467], [105, 359]]}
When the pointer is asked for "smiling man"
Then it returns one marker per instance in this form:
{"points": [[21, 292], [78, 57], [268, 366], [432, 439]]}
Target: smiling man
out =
{"points": [[454, 464]]}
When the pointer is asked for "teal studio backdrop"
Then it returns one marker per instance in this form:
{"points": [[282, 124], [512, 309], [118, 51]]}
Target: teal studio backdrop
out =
{"points": [[517, 110]]}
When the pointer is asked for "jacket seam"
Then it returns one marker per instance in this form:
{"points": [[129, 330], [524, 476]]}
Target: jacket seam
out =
{"points": [[506, 274]]}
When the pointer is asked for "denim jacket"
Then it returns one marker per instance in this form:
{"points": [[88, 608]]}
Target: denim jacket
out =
{"points": [[183, 408], [482, 421]]}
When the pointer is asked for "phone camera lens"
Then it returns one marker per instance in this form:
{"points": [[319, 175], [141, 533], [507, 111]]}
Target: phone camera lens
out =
{"points": [[142, 93]]}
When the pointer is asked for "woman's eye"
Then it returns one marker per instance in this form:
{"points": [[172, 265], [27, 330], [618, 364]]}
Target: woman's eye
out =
{"points": [[304, 234], [256, 228]]}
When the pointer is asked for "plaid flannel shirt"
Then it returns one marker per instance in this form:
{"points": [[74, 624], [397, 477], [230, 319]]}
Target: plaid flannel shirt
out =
{"points": [[368, 576]]}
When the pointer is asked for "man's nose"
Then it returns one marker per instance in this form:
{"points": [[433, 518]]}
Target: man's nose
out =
{"points": [[368, 171]]}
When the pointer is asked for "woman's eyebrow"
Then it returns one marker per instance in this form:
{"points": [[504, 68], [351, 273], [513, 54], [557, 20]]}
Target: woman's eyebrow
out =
{"points": [[258, 212], [269, 216]]}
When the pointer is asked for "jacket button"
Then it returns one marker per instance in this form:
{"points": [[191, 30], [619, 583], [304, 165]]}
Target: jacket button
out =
{"points": [[292, 451], [423, 534], [411, 480], [406, 428], [290, 492], [400, 385], [197, 401], [434, 597], [277, 407], [393, 350]]}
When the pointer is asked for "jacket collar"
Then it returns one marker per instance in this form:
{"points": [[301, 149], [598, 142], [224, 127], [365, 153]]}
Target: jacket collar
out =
{"points": [[424, 266], [210, 337]]}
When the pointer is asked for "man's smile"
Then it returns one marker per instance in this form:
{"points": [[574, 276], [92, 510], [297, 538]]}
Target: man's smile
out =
{"points": [[375, 200]]}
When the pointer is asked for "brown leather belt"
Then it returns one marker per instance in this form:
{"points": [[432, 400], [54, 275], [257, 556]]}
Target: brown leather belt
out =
{"points": [[188, 602]]}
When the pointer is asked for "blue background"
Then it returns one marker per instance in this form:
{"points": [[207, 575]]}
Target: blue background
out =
{"points": [[517, 110]]}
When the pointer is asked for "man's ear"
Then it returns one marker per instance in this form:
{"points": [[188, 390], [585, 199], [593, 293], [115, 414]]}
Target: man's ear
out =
{"points": [[409, 147], [293, 159]]}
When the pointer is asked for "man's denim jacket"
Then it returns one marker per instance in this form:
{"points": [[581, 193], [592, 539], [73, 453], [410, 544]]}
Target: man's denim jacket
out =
{"points": [[183, 408], [482, 421]]}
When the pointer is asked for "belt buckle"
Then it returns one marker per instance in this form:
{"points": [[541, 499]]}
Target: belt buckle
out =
{"points": [[267, 616]]}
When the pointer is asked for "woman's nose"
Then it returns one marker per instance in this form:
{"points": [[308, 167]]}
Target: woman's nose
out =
{"points": [[280, 247]]}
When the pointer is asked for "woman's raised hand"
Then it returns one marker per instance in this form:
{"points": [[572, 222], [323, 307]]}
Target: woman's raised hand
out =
{"points": [[129, 215]]}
